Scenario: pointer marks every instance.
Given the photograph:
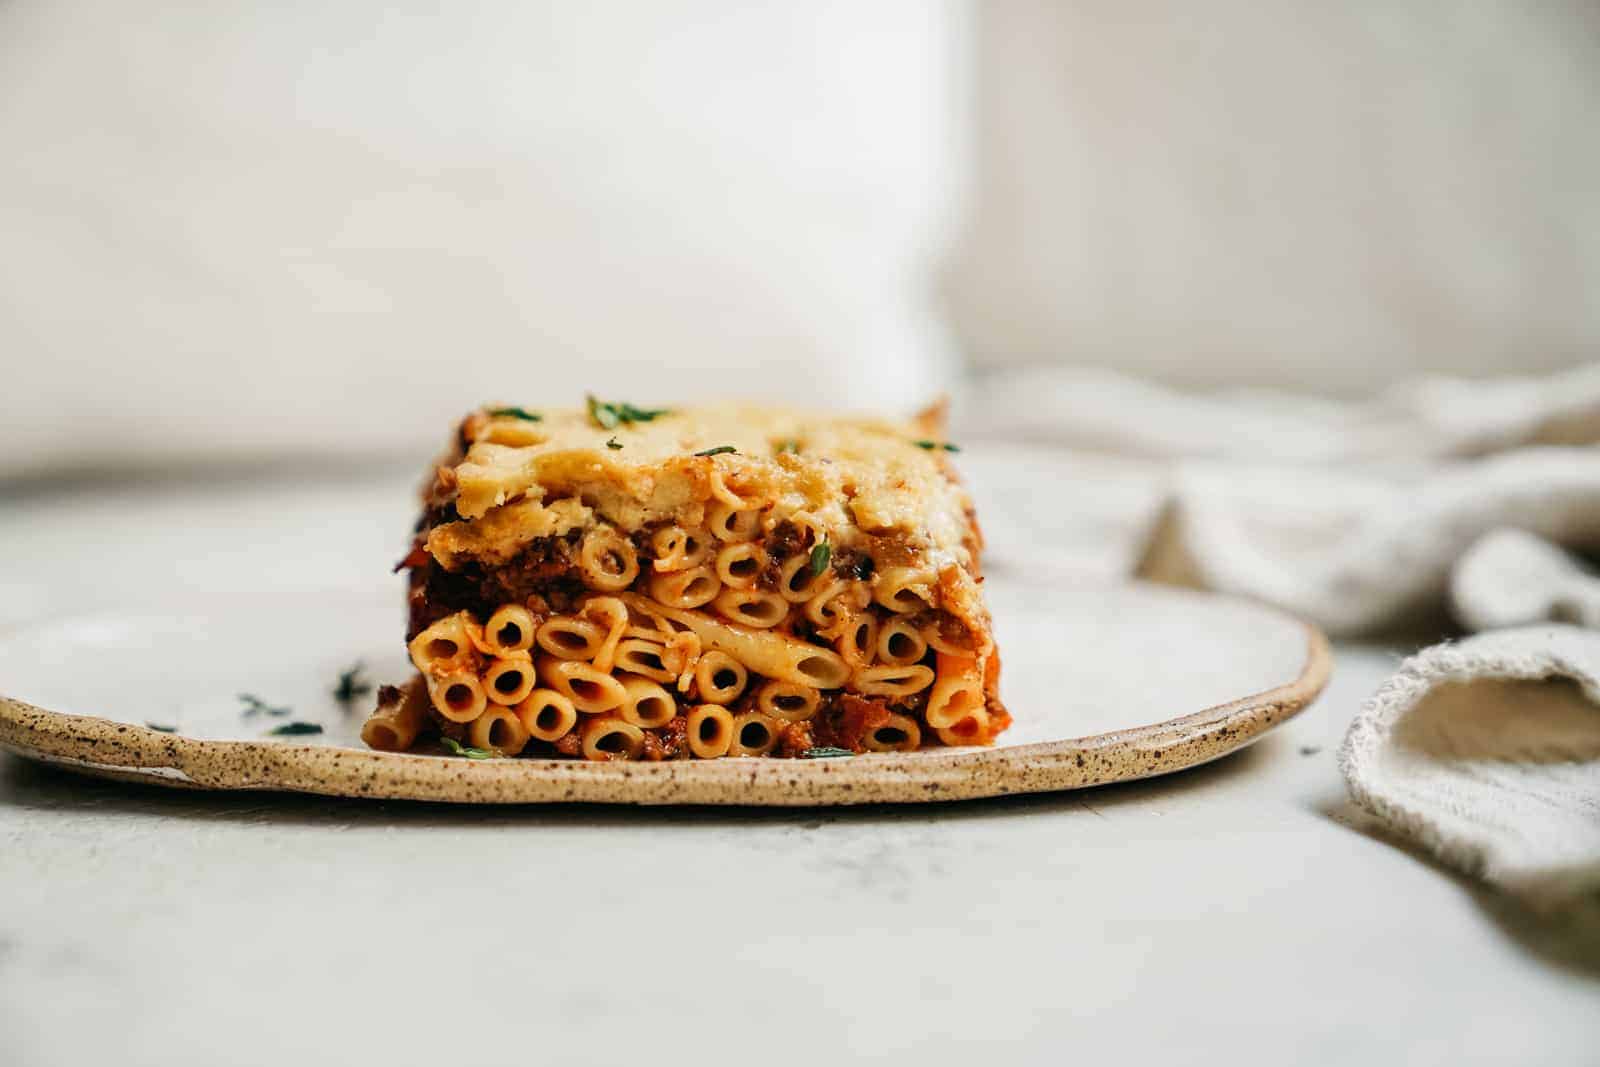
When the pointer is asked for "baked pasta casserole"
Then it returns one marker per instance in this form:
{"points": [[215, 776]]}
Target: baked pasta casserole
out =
{"points": [[634, 583]]}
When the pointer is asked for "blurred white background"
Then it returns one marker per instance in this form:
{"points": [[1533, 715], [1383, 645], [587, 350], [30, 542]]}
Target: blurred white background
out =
{"points": [[239, 230]]}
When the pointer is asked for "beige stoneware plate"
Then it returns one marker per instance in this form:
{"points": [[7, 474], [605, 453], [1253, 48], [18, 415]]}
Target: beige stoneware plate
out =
{"points": [[1106, 685]]}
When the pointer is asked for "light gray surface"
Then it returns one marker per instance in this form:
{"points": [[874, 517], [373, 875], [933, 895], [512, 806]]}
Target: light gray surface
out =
{"points": [[1236, 912]]}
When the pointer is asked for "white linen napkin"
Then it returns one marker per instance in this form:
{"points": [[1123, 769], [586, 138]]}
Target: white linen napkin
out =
{"points": [[1487, 753], [1438, 496]]}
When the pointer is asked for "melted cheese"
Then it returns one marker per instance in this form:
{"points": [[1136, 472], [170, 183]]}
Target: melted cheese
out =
{"points": [[854, 477]]}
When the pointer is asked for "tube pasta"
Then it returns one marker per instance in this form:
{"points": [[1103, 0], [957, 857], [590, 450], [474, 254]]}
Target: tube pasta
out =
{"points": [[510, 629], [752, 607], [936, 639], [569, 637], [858, 645], [608, 737], [900, 643], [394, 727], [475, 634], [720, 677], [739, 565], [892, 681], [660, 628], [509, 679], [591, 692], [645, 658], [458, 695], [900, 734], [767, 652], [824, 608], [971, 729], [812, 531], [445, 646], [649, 634], [717, 481], [732, 522], [646, 704], [787, 701], [677, 549], [500, 729], [796, 583], [611, 614], [710, 731], [903, 589], [685, 589], [547, 715], [754, 734], [607, 561], [957, 693], [835, 604], [684, 649]]}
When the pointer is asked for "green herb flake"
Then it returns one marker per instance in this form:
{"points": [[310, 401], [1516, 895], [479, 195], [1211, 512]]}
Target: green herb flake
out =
{"points": [[294, 729], [789, 445], [604, 414], [351, 684], [629, 413], [162, 727], [825, 752], [820, 557], [720, 450], [254, 705], [614, 444], [457, 748], [608, 416], [516, 413], [932, 445]]}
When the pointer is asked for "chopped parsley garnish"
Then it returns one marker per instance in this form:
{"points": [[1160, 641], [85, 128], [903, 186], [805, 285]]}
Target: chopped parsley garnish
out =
{"points": [[294, 729], [825, 752], [609, 416], [459, 749], [254, 705], [162, 727], [931, 445], [613, 444], [351, 684], [820, 556], [789, 445], [720, 450], [516, 413]]}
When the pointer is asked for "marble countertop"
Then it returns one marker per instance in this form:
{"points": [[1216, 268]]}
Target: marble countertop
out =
{"points": [[1240, 912]]}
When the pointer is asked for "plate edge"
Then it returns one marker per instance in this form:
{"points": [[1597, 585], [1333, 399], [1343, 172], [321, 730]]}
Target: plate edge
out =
{"points": [[92, 744]]}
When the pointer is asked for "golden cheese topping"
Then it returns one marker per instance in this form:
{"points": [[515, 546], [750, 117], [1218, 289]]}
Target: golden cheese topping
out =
{"points": [[853, 479]]}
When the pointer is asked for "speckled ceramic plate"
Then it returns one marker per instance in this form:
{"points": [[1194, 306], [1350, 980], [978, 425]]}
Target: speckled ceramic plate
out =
{"points": [[1093, 677]]}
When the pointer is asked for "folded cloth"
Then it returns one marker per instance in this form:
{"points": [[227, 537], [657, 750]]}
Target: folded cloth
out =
{"points": [[1487, 753], [1359, 549], [1463, 496], [1510, 577]]}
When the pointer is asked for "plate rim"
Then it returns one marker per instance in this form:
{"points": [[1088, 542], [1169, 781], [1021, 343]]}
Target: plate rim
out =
{"points": [[108, 748]]}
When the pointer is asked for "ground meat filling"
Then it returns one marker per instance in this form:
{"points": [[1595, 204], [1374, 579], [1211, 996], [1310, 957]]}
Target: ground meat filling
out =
{"points": [[547, 568], [666, 742], [845, 720], [785, 540]]}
